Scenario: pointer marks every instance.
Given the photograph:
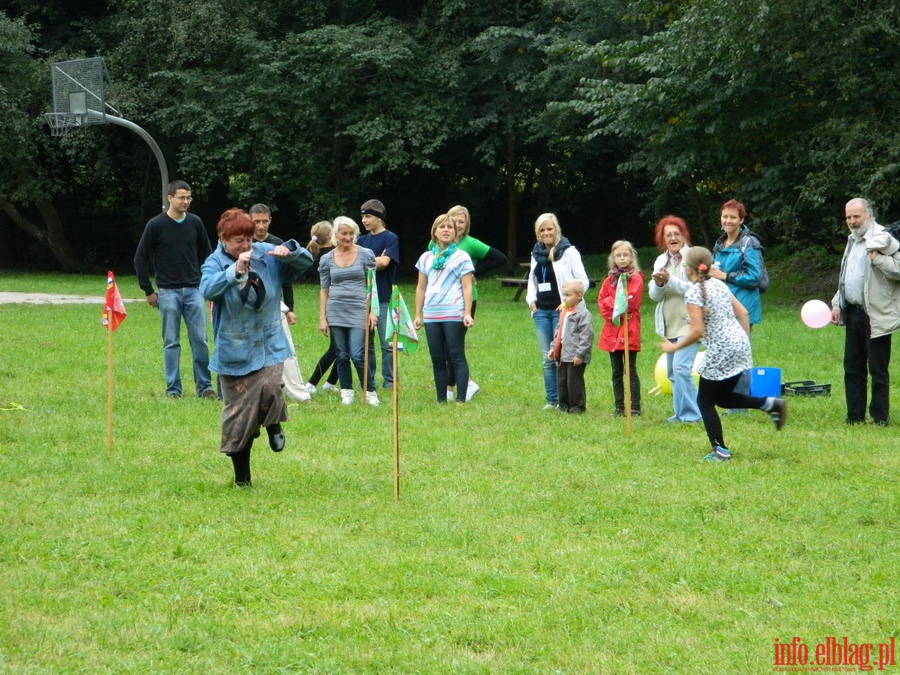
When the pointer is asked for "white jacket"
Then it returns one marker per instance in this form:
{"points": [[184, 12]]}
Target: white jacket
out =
{"points": [[677, 285], [567, 268]]}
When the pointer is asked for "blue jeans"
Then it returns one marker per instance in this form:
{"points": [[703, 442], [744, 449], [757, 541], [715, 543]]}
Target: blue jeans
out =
{"points": [[387, 347], [684, 391], [176, 304], [447, 346], [545, 324], [349, 346]]}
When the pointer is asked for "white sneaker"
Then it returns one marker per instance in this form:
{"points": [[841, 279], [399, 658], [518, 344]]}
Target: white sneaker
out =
{"points": [[450, 397], [329, 387], [372, 398], [346, 396], [310, 387], [472, 390]]}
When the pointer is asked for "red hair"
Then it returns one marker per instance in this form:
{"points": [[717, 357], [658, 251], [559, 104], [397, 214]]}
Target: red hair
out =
{"points": [[661, 226], [737, 206], [235, 223]]}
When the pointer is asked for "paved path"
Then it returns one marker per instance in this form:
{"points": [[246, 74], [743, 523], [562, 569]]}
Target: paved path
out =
{"points": [[53, 299]]}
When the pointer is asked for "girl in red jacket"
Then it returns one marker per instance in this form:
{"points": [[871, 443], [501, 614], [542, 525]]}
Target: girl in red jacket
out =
{"points": [[623, 267]]}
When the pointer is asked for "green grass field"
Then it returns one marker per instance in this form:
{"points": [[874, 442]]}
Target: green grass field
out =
{"points": [[524, 541]]}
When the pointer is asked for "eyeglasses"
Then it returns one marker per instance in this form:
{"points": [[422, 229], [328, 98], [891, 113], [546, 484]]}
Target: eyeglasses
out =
{"points": [[184, 199]]}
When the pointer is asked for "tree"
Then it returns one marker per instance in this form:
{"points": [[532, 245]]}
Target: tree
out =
{"points": [[791, 108], [27, 181]]}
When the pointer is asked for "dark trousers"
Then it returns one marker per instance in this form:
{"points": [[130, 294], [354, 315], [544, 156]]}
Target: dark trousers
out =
{"points": [[447, 346], [326, 362], [617, 361], [712, 393], [570, 387], [241, 462], [864, 356], [451, 382]]}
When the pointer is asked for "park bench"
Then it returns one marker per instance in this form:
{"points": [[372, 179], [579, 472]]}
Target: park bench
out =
{"points": [[521, 283]]}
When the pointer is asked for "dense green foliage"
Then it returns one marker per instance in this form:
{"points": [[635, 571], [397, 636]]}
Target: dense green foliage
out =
{"points": [[524, 541], [609, 113]]}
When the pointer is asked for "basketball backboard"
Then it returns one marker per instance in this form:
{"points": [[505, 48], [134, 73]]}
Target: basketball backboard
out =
{"points": [[79, 94]]}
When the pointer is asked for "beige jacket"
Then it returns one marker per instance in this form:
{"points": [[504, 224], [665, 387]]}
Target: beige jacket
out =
{"points": [[882, 284]]}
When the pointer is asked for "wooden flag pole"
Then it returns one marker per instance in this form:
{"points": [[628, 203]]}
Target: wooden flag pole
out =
{"points": [[395, 395], [109, 379], [365, 383], [627, 375]]}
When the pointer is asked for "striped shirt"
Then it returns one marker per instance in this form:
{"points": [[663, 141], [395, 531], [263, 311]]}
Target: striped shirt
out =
{"points": [[444, 294]]}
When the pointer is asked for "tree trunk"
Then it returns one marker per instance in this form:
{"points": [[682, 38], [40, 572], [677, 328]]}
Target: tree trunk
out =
{"points": [[54, 236], [511, 202], [705, 232]]}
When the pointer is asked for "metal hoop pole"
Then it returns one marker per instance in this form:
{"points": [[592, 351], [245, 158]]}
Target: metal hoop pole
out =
{"points": [[163, 169]]}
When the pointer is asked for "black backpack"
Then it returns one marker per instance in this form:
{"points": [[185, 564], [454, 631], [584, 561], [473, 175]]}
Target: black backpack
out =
{"points": [[893, 229]]}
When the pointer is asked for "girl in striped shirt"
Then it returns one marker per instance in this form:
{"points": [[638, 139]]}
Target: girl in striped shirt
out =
{"points": [[444, 305]]}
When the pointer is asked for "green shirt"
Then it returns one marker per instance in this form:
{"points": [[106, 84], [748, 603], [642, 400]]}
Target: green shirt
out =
{"points": [[477, 250]]}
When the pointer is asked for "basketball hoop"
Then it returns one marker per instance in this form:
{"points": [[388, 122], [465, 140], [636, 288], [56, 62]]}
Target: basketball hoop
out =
{"points": [[79, 100], [60, 123]]}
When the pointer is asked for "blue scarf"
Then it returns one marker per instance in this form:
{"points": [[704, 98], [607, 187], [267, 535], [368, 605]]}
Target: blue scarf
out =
{"points": [[441, 257]]}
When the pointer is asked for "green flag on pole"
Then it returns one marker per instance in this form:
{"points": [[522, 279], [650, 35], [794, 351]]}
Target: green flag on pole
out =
{"points": [[399, 322], [620, 306], [372, 292]]}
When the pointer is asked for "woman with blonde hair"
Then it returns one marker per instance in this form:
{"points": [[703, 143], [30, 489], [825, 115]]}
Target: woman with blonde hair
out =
{"points": [[485, 258], [321, 241], [444, 306], [554, 261], [344, 310]]}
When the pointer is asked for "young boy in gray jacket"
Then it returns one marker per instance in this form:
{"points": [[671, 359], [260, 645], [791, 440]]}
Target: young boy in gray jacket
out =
{"points": [[571, 348]]}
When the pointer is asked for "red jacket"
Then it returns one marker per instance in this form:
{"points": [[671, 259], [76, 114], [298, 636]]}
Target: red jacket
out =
{"points": [[612, 337]]}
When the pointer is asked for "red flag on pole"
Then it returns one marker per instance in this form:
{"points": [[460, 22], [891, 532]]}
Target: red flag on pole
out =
{"points": [[114, 308]]}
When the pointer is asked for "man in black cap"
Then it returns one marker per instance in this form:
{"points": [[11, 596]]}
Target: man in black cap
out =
{"points": [[386, 247]]}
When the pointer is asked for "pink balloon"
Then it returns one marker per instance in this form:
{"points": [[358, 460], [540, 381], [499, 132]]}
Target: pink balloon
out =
{"points": [[815, 314]]}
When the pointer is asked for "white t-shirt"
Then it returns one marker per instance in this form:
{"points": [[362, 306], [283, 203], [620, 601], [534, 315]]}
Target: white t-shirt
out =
{"points": [[727, 345]]}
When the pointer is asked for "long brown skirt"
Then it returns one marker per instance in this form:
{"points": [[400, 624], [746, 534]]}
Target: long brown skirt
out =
{"points": [[250, 402]]}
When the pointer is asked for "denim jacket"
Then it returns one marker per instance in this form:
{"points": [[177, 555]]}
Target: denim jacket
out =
{"points": [[248, 339]]}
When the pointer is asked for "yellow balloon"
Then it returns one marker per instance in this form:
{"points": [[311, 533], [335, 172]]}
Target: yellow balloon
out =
{"points": [[662, 379]]}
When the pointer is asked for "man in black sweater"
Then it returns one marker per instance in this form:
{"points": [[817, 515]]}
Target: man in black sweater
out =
{"points": [[176, 244]]}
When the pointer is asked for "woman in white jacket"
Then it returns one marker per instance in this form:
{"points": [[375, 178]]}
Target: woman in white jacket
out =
{"points": [[667, 289], [554, 261]]}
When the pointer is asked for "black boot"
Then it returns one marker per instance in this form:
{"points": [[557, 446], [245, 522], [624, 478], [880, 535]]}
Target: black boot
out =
{"points": [[276, 437], [241, 461]]}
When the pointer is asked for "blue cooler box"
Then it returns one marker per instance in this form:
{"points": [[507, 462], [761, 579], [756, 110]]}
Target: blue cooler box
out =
{"points": [[765, 382]]}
